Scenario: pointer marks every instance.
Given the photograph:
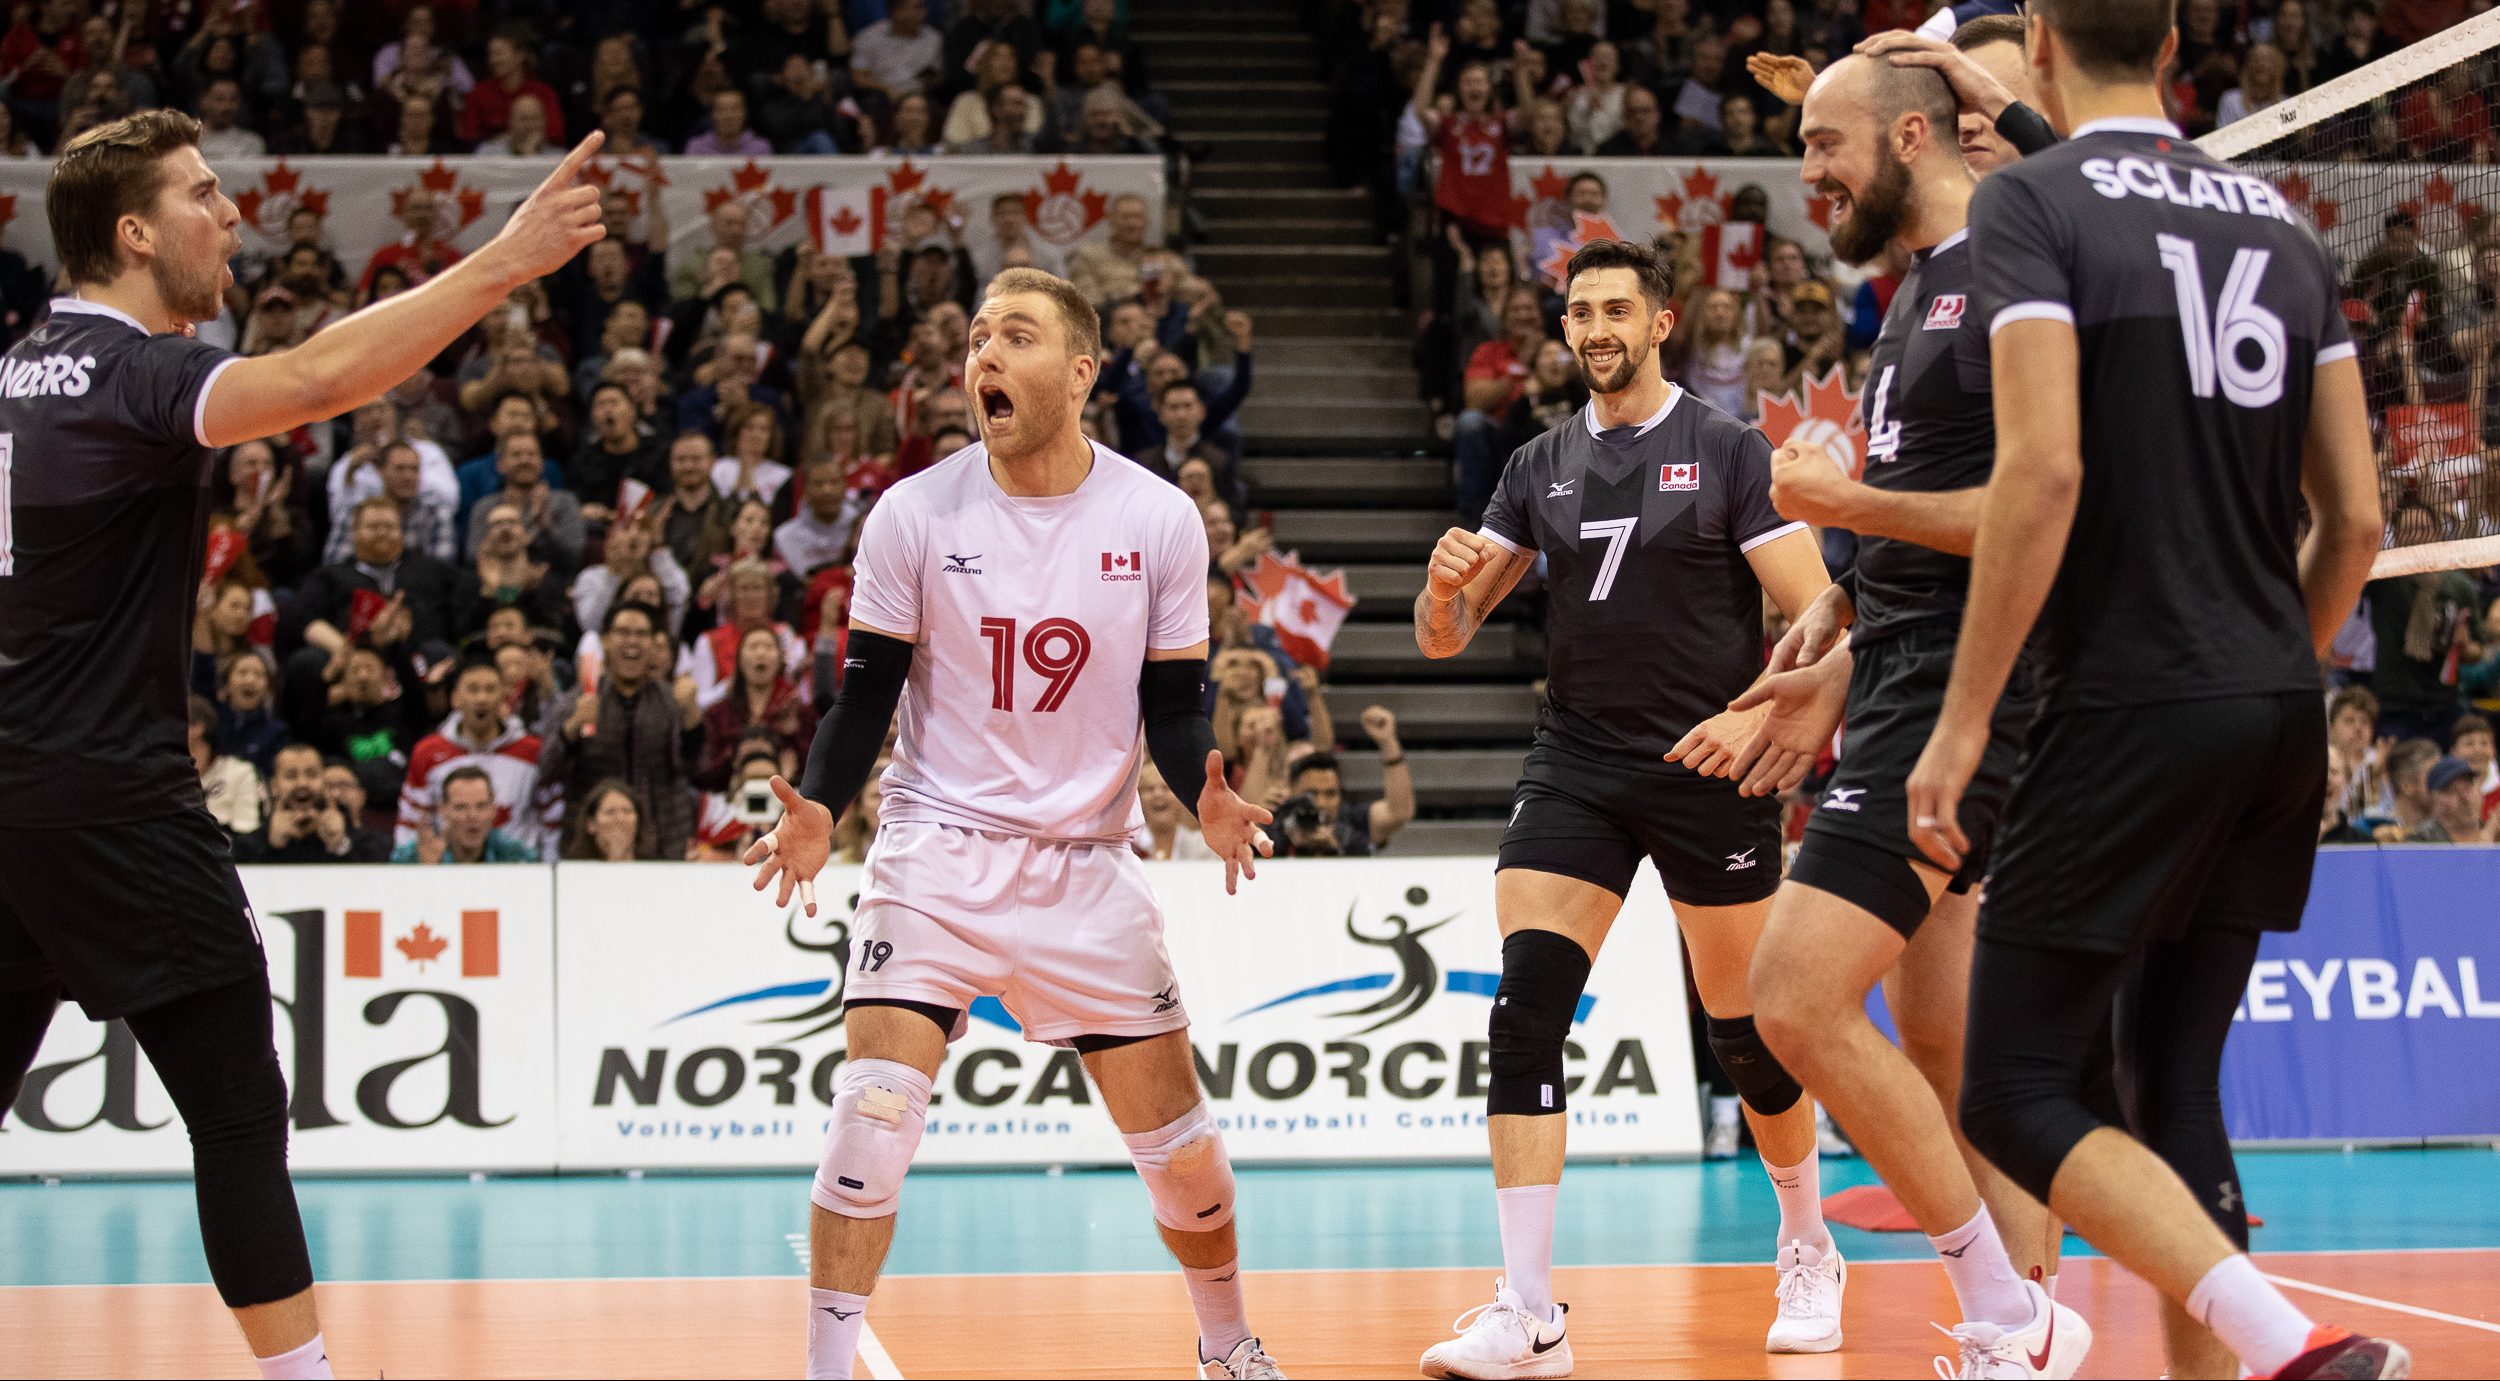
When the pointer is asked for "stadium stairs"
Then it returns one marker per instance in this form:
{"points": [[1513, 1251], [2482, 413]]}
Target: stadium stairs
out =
{"points": [[1337, 439]]}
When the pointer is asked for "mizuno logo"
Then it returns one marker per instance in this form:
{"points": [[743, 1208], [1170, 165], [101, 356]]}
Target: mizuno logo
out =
{"points": [[962, 565], [1954, 1252], [1164, 1002], [1228, 1275], [1559, 489], [840, 1315], [1844, 798], [1739, 862]]}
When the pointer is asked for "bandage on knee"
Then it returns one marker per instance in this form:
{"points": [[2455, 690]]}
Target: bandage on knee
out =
{"points": [[1543, 975], [1187, 1173], [879, 1109], [1760, 1079]]}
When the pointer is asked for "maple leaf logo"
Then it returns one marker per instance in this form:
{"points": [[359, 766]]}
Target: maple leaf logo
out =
{"points": [[2441, 213], [908, 184], [421, 945], [1827, 416], [602, 174], [767, 204], [1549, 185], [281, 190], [447, 187], [1584, 229], [845, 222], [1697, 203], [2322, 211], [1061, 210], [1819, 210]]}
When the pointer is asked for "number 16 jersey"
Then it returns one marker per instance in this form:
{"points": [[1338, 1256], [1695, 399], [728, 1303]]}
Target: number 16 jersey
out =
{"points": [[1032, 619], [1653, 612]]}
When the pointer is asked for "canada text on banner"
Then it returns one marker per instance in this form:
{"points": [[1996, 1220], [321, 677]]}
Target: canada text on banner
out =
{"points": [[1338, 1012], [413, 1017], [363, 200]]}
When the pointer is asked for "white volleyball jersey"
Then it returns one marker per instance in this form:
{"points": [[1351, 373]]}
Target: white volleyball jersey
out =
{"points": [[1032, 619]]}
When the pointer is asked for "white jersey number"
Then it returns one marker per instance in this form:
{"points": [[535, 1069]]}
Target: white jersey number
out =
{"points": [[2214, 341], [8, 548], [1883, 439], [1618, 535], [1055, 649]]}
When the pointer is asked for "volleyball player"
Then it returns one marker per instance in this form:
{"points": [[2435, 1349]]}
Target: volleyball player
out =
{"points": [[116, 887], [2173, 377], [1653, 512]]}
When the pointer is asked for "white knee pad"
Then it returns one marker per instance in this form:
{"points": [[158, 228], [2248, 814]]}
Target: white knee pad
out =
{"points": [[1186, 1172], [879, 1109]]}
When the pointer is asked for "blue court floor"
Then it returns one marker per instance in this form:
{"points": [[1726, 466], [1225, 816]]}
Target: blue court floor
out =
{"points": [[100, 1233]]}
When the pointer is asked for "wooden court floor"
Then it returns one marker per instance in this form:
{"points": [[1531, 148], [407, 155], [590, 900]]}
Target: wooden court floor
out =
{"points": [[1628, 1322]]}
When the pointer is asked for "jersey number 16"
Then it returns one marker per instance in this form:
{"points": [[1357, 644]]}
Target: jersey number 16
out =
{"points": [[2215, 339], [1055, 649]]}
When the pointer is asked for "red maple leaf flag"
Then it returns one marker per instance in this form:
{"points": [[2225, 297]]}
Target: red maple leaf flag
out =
{"points": [[1729, 252], [845, 221], [421, 945], [1305, 608], [1828, 416]]}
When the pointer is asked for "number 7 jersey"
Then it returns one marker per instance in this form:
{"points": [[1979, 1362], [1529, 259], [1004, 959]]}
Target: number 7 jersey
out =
{"points": [[2203, 307], [1032, 619]]}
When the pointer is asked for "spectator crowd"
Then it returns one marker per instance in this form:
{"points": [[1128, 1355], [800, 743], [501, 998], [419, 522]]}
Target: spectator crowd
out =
{"points": [[579, 588]]}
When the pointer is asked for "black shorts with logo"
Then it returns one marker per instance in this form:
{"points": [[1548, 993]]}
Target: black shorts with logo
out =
{"points": [[1857, 845], [124, 916], [1595, 820], [2149, 821]]}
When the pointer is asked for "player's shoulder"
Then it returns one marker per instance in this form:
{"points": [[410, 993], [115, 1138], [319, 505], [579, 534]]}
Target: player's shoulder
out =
{"points": [[1695, 420], [937, 489]]}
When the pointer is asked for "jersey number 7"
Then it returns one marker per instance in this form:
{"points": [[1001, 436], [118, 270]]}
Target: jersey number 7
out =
{"points": [[1055, 649]]}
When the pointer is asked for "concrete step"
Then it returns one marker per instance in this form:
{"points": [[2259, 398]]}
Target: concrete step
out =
{"points": [[1369, 325], [1386, 590], [1387, 650], [1392, 384], [1435, 715], [1278, 256], [1445, 778], [1297, 425], [1200, 64], [1307, 290], [1313, 201], [1220, 175], [1253, 141], [1474, 839], [1327, 352], [1161, 43], [1228, 231], [1334, 536], [1295, 114], [1192, 93], [1276, 483]]}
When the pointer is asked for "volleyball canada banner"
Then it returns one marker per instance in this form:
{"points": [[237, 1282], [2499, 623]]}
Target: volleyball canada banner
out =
{"points": [[664, 1016], [847, 205]]}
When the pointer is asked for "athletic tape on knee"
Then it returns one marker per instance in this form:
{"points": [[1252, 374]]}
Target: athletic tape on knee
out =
{"points": [[879, 1109], [1186, 1171], [1543, 975], [1766, 1087]]}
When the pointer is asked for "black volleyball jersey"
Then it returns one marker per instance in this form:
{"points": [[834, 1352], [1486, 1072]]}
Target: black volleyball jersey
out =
{"points": [[2203, 306], [104, 475], [1930, 427], [1654, 615]]}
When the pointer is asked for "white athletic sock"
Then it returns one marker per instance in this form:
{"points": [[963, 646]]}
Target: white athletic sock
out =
{"points": [[1527, 1215], [2048, 1282], [834, 1320], [1215, 1296], [311, 1362], [2249, 1315], [1983, 1276], [1800, 1190]]}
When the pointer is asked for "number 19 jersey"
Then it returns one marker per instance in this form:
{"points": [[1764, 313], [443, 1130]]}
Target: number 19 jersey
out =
{"points": [[1032, 619]]}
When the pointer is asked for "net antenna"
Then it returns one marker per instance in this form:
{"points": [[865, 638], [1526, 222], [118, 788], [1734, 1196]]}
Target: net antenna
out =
{"points": [[2352, 154]]}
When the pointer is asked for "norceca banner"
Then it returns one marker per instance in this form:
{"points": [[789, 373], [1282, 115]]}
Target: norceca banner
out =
{"points": [[1338, 1013], [413, 1013]]}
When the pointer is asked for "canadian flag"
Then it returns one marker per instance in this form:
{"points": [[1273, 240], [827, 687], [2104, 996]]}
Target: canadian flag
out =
{"points": [[1305, 608], [1729, 251], [846, 221], [1121, 561], [632, 498]]}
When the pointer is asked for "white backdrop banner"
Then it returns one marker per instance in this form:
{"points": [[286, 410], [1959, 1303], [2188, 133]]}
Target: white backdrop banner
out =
{"points": [[1338, 1012], [852, 202], [413, 1015], [1647, 197]]}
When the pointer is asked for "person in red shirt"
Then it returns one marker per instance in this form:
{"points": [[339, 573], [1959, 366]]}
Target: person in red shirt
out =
{"points": [[1496, 376], [2446, 122], [37, 57], [511, 74], [419, 254], [1473, 143]]}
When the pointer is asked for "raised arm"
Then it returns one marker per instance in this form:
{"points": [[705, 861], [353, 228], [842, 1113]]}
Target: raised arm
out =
{"points": [[356, 360], [1469, 574]]}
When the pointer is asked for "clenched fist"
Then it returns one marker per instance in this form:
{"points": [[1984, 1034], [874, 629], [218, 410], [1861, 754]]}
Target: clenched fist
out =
{"points": [[1459, 557]]}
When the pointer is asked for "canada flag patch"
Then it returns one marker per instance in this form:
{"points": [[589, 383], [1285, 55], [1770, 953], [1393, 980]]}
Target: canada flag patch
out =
{"points": [[1945, 312], [1118, 565], [1673, 477]]}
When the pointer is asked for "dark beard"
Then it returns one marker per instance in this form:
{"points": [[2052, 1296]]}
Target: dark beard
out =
{"points": [[188, 299], [1627, 367], [1876, 217]]}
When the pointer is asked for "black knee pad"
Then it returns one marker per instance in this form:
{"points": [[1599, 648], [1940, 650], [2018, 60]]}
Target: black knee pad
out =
{"points": [[1760, 1080], [1543, 975]]}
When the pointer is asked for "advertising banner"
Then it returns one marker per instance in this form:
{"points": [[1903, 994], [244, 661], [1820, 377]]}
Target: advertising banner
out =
{"points": [[2380, 1019], [412, 1017], [850, 204], [1338, 1012]]}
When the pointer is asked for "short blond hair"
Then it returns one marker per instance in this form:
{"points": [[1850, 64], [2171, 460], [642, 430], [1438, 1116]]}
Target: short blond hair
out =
{"points": [[1083, 323]]}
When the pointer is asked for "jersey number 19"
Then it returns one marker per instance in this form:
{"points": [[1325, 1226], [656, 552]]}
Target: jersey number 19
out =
{"points": [[1055, 649]]}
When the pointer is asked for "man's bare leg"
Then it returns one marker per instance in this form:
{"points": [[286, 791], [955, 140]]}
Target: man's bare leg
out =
{"points": [[1721, 941]]}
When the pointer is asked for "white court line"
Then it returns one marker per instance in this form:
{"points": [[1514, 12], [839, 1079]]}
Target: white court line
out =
{"points": [[880, 1362], [2376, 1303]]}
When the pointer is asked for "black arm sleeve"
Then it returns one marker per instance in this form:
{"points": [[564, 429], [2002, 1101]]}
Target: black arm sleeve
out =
{"points": [[1171, 699], [874, 668], [2026, 129]]}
